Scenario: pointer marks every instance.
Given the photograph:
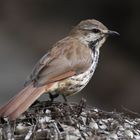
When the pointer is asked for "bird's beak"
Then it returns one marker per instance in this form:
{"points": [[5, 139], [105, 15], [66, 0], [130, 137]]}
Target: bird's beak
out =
{"points": [[109, 32]]}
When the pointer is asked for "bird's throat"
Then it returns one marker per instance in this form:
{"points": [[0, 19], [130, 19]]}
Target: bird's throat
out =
{"points": [[96, 44], [92, 45]]}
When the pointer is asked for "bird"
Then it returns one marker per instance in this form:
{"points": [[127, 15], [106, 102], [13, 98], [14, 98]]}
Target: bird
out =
{"points": [[64, 70]]}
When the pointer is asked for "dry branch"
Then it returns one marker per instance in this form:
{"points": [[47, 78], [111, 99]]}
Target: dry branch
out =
{"points": [[69, 121]]}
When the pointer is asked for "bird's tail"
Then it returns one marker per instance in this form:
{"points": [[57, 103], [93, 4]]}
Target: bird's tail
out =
{"points": [[21, 102]]}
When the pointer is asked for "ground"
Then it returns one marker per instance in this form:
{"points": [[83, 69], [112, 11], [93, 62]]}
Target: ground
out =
{"points": [[70, 121]]}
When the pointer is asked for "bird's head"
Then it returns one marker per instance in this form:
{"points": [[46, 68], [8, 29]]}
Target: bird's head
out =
{"points": [[92, 32]]}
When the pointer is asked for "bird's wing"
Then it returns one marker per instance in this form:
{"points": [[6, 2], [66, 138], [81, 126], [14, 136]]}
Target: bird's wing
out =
{"points": [[67, 58]]}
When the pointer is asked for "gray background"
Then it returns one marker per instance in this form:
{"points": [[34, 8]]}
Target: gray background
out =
{"points": [[28, 28]]}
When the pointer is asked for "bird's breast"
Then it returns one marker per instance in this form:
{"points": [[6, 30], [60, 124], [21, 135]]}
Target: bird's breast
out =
{"points": [[76, 83]]}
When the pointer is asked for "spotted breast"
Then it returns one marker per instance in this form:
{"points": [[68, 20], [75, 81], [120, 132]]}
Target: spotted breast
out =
{"points": [[76, 83]]}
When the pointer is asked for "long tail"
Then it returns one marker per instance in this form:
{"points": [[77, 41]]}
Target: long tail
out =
{"points": [[21, 102]]}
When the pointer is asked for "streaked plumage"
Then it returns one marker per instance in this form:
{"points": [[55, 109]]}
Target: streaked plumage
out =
{"points": [[65, 69]]}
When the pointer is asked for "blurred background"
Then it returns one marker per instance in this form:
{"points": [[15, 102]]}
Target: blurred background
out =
{"points": [[28, 28]]}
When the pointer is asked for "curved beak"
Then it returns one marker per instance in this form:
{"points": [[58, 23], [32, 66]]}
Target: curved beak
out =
{"points": [[109, 32]]}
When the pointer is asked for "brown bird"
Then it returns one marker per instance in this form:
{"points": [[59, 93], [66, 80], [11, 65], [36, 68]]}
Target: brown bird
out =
{"points": [[65, 69]]}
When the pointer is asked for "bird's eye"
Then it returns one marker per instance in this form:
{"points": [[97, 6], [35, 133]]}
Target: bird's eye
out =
{"points": [[95, 30]]}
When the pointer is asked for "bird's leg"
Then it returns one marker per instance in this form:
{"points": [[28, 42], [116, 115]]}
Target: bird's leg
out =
{"points": [[66, 102], [53, 96], [64, 97]]}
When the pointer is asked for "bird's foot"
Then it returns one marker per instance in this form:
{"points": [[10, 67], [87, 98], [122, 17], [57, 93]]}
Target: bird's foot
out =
{"points": [[65, 99], [67, 103], [82, 105]]}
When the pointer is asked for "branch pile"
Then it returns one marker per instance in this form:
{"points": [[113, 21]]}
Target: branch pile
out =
{"points": [[69, 121]]}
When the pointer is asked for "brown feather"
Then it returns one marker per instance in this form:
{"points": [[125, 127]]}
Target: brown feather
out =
{"points": [[63, 76], [27, 103], [20, 103], [65, 56], [16, 101]]}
